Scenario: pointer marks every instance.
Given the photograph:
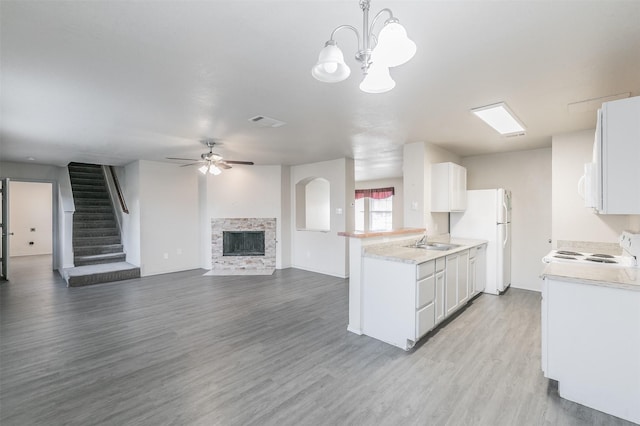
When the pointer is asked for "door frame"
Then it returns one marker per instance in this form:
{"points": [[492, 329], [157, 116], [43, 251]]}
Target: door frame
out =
{"points": [[55, 260]]}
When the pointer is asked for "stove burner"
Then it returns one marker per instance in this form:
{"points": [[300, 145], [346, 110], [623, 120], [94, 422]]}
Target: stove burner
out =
{"points": [[568, 253], [562, 256], [600, 260], [604, 256]]}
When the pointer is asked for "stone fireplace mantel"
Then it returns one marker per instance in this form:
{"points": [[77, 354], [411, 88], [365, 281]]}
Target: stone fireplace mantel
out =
{"points": [[243, 265]]}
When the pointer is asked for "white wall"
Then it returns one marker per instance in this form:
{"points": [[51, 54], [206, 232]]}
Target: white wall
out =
{"points": [[168, 208], [417, 158], [398, 197], [243, 192], [528, 175], [129, 177], [326, 252], [316, 207], [570, 219], [30, 208]]}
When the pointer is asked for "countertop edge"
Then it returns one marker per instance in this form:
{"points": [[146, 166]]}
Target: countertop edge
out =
{"points": [[611, 277]]}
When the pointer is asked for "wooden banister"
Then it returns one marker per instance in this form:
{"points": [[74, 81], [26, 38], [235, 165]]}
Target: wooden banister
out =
{"points": [[123, 205]]}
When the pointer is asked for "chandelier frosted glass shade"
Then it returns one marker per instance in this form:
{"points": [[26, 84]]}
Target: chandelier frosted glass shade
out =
{"points": [[331, 67], [211, 168], [377, 80], [394, 47], [376, 53]]}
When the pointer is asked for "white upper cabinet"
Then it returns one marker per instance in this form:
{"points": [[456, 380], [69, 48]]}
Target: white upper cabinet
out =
{"points": [[617, 157], [448, 187]]}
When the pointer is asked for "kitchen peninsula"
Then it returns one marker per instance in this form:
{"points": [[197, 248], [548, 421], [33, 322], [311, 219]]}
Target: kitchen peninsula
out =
{"points": [[404, 291]]}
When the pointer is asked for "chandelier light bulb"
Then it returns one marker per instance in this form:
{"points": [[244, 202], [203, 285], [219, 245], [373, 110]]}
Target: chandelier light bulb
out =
{"points": [[331, 67], [214, 170], [203, 169]]}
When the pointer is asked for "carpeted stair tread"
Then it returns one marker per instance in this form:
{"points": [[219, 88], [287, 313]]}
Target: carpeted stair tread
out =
{"points": [[100, 249], [95, 259], [100, 273]]}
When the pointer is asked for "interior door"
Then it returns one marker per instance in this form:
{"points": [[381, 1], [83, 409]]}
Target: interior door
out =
{"points": [[4, 219]]}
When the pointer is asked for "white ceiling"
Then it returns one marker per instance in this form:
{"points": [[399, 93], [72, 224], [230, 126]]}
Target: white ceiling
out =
{"points": [[112, 82]]}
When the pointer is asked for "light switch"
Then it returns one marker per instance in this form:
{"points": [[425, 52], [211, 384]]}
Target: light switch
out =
{"points": [[414, 205], [338, 210]]}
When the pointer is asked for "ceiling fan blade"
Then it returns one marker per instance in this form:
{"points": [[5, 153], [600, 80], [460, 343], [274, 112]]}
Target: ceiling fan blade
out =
{"points": [[192, 164], [223, 165], [183, 159], [247, 163]]}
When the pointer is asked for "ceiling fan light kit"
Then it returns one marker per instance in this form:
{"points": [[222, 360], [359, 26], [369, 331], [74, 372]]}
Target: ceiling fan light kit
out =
{"points": [[390, 48], [211, 163]]}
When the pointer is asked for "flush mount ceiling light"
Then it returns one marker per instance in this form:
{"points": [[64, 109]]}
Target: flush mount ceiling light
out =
{"points": [[500, 117], [390, 48]]}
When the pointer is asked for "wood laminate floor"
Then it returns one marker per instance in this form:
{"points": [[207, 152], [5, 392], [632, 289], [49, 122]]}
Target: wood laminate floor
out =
{"points": [[184, 349]]}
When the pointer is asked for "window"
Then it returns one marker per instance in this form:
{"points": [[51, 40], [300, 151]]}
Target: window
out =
{"points": [[374, 209]]}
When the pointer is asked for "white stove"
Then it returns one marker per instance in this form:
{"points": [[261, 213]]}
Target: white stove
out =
{"points": [[569, 256], [628, 241]]}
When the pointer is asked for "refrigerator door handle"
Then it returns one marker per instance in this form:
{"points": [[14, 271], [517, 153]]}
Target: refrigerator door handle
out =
{"points": [[506, 236], [506, 211]]}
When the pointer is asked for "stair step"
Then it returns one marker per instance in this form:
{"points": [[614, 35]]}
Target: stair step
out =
{"points": [[84, 166], [100, 273], [101, 249], [95, 232], [95, 241], [85, 172], [96, 259], [88, 202], [91, 195], [93, 224], [84, 187], [88, 216], [88, 180]]}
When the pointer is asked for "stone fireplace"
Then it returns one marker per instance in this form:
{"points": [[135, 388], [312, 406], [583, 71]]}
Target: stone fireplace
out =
{"points": [[243, 246]]}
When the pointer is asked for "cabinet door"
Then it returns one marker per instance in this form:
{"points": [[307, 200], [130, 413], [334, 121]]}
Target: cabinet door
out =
{"points": [[440, 295], [451, 280], [425, 320], [463, 277], [481, 269], [425, 291], [458, 188], [473, 272]]}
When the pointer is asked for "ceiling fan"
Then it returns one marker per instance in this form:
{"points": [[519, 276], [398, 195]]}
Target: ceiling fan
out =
{"points": [[211, 162]]}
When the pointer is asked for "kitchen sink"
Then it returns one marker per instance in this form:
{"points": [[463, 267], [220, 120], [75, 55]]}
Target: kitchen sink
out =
{"points": [[435, 246]]}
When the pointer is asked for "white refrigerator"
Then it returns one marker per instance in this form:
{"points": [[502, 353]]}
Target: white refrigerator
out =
{"points": [[488, 217]]}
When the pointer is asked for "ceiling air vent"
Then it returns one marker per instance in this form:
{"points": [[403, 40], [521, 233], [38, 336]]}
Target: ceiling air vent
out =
{"points": [[263, 121]]}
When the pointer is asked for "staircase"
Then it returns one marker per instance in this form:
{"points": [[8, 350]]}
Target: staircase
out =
{"points": [[97, 247]]}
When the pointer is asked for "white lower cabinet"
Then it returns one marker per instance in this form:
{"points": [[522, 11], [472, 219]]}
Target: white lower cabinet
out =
{"points": [[401, 302], [457, 277]]}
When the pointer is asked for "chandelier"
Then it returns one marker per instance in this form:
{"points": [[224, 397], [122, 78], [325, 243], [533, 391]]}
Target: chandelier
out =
{"points": [[390, 48]]}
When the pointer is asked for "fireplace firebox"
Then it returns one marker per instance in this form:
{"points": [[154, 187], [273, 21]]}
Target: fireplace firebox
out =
{"points": [[243, 243]]}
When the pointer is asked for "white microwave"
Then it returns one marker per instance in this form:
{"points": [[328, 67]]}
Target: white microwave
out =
{"points": [[611, 181]]}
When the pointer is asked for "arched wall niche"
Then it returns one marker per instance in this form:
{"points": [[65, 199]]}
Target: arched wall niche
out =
{"points": [[313, 204]]}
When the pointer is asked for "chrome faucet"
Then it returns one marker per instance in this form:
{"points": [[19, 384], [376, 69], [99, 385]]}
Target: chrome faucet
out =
{"points": [[422, 240]]}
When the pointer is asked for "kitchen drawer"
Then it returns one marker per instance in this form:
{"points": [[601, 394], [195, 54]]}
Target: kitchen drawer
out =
{"points": [[441, 263], [425, 289], [425, 269], [425, 320]]}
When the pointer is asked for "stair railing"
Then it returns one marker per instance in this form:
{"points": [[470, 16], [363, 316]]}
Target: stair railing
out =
{"points": [[123, 205]]}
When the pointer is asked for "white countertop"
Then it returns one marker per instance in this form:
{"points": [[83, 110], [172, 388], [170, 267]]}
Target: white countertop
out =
{"points": [[397, 251], [606, 276]]}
